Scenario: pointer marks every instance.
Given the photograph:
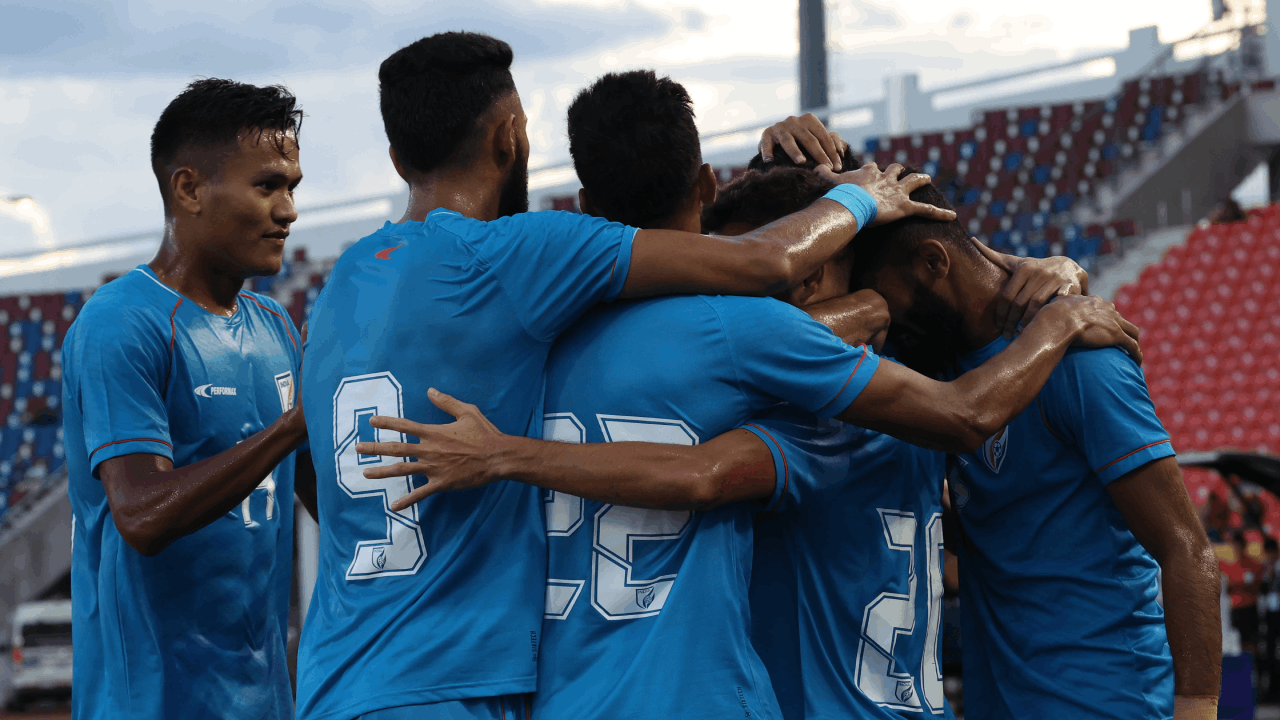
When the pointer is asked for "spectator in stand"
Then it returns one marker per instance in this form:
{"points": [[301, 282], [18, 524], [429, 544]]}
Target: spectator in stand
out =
{"points": [[1216, 516], [1244, 581], [1271, 605]]}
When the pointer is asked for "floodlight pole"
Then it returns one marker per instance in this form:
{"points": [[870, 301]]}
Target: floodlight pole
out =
{"points": [[813, 55]]}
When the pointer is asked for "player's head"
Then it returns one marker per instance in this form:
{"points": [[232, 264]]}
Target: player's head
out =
{"points": [[449, 104], [757, 198], [226, 157], [918, 265], [848, 160], [636, 151]]}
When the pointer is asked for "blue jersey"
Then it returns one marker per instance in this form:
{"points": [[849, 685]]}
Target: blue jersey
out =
{"points": [[440, 601], [1058, 600], [846, 597], [647, 612], [199, 629]]}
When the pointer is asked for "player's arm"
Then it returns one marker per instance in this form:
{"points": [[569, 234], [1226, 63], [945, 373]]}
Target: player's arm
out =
{"points": [[153, 503], [958, 416], [1033, 282], [1154, 502], [858, 318], [776, 256], [471, 452]]}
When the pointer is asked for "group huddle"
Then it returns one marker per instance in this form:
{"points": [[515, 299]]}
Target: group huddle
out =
{"points": [[719, 440]]}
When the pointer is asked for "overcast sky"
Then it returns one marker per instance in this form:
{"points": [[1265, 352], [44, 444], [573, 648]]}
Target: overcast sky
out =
{"points": [[82, 82]]}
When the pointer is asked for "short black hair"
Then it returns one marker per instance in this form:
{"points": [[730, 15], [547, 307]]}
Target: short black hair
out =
{"points": [[434, 90], [895, 243], [212, 112], [635, 146], [849, 161], [759, 198]]}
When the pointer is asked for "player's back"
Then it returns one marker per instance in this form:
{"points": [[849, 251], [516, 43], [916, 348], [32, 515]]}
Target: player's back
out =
{"points": [[846, 592], [442, 600], [647, 612], [1058, 598], [199, 629]]}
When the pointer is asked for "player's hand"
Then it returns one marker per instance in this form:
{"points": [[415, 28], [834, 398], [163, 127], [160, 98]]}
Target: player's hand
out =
{"points": [[824, 146], [892, 195], [453, 457], [1033, 282], [1100, 325]]}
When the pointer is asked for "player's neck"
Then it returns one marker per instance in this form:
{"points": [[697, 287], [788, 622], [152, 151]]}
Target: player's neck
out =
{"points": [[195, 278], [461, 192], [978, 289]]}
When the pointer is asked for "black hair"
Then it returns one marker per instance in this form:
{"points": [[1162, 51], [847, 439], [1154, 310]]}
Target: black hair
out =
{"points": [[849, 161], [635, 146], [759, 198], [1270, 545], [434, 90], [213, 112], [896, 242]]}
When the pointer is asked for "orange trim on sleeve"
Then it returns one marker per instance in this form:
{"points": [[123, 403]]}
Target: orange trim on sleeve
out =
{"points": [[1135, 452], [117, 442], [273, 312], [786, 469], [851, 376]]}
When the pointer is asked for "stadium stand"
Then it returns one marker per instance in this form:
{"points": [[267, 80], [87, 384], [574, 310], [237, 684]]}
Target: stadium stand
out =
{"points": [[1211, 340]]}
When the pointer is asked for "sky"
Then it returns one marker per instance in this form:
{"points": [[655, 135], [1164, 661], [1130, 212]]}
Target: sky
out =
{"points": [[82, 82]]}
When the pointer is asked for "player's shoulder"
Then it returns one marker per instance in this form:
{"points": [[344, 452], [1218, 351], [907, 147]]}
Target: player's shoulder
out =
{"points": [[761, 308], [1093, 363], [549, 224], [132, 301]]}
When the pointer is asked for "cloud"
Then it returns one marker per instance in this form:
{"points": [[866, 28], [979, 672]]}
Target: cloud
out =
{"points": [[230, 39]]}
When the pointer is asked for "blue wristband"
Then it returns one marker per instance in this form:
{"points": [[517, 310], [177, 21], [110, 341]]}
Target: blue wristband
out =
{"points": [[857, 201]]}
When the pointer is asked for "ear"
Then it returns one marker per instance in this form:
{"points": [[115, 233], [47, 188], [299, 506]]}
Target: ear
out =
{"points": [[706, 184], [396, 162], [932, 260], [185, 189], [585, 204], [505, 145]]}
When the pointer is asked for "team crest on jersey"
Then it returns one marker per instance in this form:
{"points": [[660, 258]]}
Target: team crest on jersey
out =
{"points": [[905, 690], [379, 557], [284, 385], [644, 597], [995, 448]]}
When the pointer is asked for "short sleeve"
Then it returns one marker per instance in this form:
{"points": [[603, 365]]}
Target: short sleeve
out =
{"points": [[120, 371], [555, 266], [780, 352], [807, 453], [1098, 400]]}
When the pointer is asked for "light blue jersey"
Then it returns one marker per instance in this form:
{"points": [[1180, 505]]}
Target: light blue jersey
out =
{"points": [[198, 630], [441, 601], [1057, 598], [647, 613], [846, 597]]}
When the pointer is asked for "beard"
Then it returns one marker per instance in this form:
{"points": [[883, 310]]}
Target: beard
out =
{"points": [[933, 346], [515, 190]]}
